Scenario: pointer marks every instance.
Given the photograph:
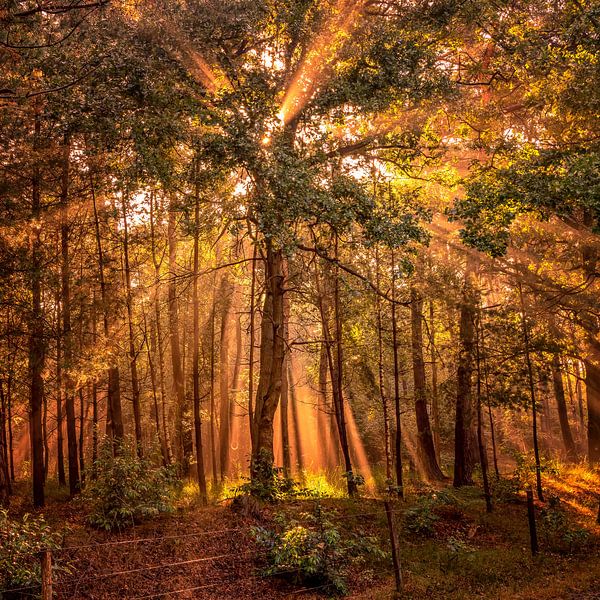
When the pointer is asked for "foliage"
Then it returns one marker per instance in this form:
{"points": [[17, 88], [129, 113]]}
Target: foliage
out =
{"points": [[557, 531], [21, 541], [315, 552], [127, 488], [421, 518]]}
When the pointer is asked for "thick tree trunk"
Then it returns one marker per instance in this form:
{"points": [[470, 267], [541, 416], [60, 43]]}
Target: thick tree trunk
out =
{"points": [[135, 385], [465, 444], [426, 448], [272, 350], [563, 416]]}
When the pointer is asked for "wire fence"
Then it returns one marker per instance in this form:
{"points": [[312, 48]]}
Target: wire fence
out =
{"points": [[73, 584]]}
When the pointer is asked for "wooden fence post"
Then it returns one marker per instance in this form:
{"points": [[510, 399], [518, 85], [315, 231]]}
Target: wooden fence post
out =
{"points": [[46, 561], [395, 549], [531, 519]]}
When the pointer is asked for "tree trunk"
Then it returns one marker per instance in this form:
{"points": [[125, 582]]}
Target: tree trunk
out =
{"points": [[536, 447], [157, 337], [380, 371], [483, 461], [435, 412], [60, 461], [426, 447], [397, 398], [5, 487], [592, 388], [174, 340], [200, 473], [272, 350], [36, 328], [135, 385], [65, 266], [563, 416], [336, 364], [465, 443], [114, 417], [226, 295]]}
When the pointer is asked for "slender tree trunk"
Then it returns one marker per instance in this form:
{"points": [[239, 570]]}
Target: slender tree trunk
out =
{"points": [[536, 447], [563, 416], [286, 385], [397, 397], [158, 340], [592, 388], [336, 363], [174, 340], [435, 411], [135, 385], [65, 268], [293, 401], [380, 370], [251, 345], [426, 446], [483, 461], [150, 341], [5, 487], [226, 295], [465, 443], [81, 456], [36, 327], [489, 406], [114, 417], [213, 410], [11, 456], [60, 461], [200, 473]]}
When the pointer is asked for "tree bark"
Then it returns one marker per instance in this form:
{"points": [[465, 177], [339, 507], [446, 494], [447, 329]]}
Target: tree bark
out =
{"points": [[114, 417], [465, 443], [563, 416], [200, 473], [65, 266], [36, 327], [426, 447], [174, 340], [397, 397], [272, 351], [536, 446], [226, 295], [135, 385]]}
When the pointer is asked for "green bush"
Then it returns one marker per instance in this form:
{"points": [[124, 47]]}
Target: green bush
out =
{"points": [[421, 518], [21, 542], [314, 552], [557, 532], [127, 488]]}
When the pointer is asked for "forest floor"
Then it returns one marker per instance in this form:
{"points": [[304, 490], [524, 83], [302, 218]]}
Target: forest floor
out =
{"points": [[450, 548]]}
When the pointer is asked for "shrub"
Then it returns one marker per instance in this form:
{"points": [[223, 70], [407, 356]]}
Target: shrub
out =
{"points": [[557, 532], [421, 518], [314, 552], [21, 541], [127, 488]]}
